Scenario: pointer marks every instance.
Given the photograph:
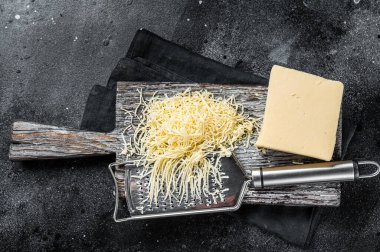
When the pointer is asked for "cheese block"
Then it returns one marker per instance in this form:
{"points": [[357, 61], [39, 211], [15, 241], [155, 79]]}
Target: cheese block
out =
{"points": [[301, 114]]}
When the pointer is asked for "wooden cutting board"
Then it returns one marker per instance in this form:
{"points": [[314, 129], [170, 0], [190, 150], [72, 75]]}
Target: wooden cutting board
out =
{"points": [[35, 141]]}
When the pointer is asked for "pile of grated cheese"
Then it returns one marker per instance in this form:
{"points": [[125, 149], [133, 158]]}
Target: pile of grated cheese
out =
{"points": [[180, 140]]}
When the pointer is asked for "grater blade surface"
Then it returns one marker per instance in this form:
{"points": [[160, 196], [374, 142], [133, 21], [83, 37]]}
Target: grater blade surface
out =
{"points": [[228, 195]]}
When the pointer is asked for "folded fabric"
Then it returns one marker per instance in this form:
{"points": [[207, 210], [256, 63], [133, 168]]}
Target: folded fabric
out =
{"points": [[151, 58], [99, 113]]}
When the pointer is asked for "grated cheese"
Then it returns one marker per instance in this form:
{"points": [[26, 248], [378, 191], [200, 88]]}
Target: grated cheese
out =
{"points": [[180, 139]]}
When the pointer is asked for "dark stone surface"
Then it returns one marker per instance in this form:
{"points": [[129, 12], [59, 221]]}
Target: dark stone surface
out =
{"points": [[57, 50]]}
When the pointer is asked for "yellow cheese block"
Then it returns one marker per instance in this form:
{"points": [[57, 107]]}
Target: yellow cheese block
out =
{"points": [[301, 114]]}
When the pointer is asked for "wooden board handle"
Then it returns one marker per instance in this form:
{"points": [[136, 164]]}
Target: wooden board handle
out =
{"points": [[37, 141]]}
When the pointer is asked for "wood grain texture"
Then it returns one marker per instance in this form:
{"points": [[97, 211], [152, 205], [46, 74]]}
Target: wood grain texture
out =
{"points": [[38, 141], [253, 99]]}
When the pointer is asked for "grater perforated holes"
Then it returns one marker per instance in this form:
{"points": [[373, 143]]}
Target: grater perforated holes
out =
{"points": [[172, 204]]}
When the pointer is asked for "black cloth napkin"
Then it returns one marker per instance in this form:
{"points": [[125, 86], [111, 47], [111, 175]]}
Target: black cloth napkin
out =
{"points": [[151, 58]]}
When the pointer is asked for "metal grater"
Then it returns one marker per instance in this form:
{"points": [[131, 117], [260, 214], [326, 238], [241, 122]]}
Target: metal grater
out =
{"points": [[233, 186]]}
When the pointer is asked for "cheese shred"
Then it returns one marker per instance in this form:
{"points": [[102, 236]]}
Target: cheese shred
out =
{"points": [[180, 140]]}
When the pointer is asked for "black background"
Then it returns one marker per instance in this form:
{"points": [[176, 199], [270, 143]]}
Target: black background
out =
{"points": [[57, 50]]}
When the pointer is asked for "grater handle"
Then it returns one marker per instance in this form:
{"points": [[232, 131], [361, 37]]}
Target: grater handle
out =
{"points": [[371, 175], [311, 173]]}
